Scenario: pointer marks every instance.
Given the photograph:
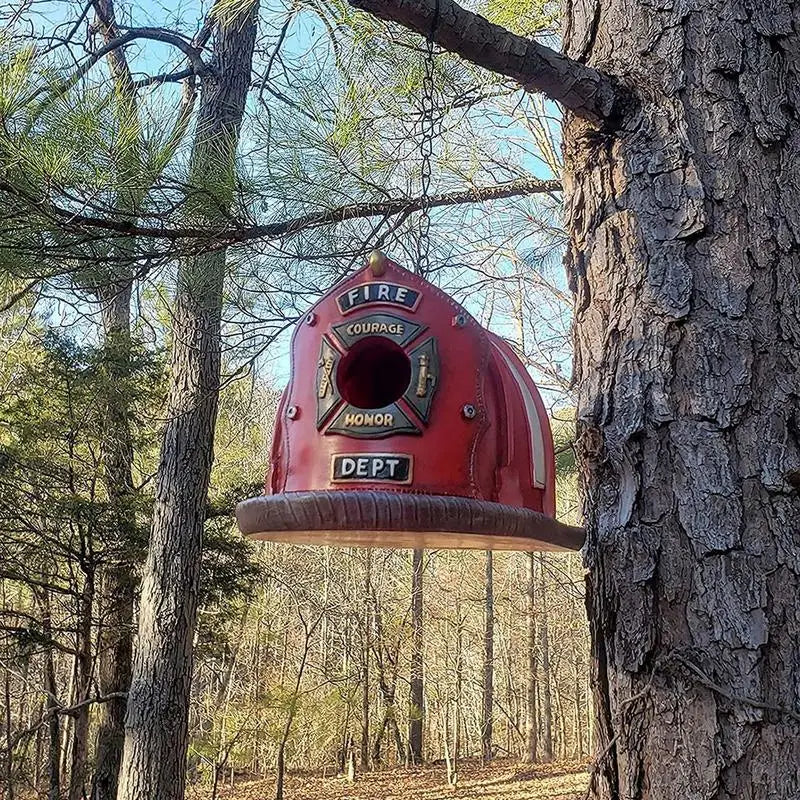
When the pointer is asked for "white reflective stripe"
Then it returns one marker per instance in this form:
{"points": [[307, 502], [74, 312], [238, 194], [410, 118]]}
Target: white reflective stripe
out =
{"points": [[534, 425]]}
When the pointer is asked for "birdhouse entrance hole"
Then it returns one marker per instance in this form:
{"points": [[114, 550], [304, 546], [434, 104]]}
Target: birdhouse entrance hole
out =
{"points": [[374, 373]]}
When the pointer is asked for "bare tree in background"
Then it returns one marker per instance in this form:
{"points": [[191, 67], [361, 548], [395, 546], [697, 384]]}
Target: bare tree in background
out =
{"points": [[487, 715], [531, 719], [417, 686]]}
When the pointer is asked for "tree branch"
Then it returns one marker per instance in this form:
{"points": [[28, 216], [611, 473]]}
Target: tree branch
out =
{"points": [[222, 237], [586, 92]]}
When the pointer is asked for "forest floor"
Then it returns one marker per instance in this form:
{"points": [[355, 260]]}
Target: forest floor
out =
{"points": [[504, 779]]}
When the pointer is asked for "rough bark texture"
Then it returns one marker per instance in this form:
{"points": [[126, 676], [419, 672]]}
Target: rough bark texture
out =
{"points": [[117, 579], [684, 257], [488, 663], [157, 718], [417, 693]]}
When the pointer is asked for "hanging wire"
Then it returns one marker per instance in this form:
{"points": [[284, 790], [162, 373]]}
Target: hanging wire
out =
{"points": [[428, 135]]}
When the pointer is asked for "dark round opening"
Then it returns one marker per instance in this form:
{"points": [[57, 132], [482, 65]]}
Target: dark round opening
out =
{"points": [[374, 373]]}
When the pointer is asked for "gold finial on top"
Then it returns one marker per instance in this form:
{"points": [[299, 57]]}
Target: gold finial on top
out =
{"points": [[377, 263]]}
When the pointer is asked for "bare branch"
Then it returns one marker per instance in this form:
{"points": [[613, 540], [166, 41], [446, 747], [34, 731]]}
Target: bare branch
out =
{"points": [[67, 219]]}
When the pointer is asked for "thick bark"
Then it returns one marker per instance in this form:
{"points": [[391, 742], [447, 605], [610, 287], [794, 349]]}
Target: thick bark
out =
{"points": [[487, 716], [117, 584], [532, 719], [417, 690], [157, 717], [685, 260]]}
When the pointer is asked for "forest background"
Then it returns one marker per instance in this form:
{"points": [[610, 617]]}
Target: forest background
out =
{"points": [[305, 658]]}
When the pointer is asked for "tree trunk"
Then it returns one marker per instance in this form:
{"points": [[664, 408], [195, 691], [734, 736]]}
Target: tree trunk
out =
{"points": [[51, 701], [157, 718], [488, 663], [684, 255], [459, 691], [83, 681], [544, 649], [117, 576], [388, 721], [8, 724], [365, 648], [417, 692], [532, 719], [579, 668]]}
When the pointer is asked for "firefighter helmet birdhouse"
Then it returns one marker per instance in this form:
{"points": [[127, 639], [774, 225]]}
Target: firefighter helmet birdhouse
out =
{"points": [[407, 424]]}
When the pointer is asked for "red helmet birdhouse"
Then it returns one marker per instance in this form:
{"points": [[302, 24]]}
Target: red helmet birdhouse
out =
{"points": [[407, 424]]}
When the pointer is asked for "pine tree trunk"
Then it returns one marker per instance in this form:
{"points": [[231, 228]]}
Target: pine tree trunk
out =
{"points": [[684, 256], [488, 663], [532, 719], [156, 724], [417, 692]]}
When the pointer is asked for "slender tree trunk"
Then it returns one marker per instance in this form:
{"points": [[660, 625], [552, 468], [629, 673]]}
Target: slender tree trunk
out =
{"points": [[532, 718], [388, 721], [488, 663], [83, 681], [156, 739], [365, 650], [51, 702], [579, 667], [8, 723], [459, 689], [417, 692], [117, 576], [545, 677]]}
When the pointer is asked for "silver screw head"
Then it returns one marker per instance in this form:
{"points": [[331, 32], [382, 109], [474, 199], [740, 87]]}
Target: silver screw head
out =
{"points": [[459, 320], [293, 412], [311, 319], [469, 411]]}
